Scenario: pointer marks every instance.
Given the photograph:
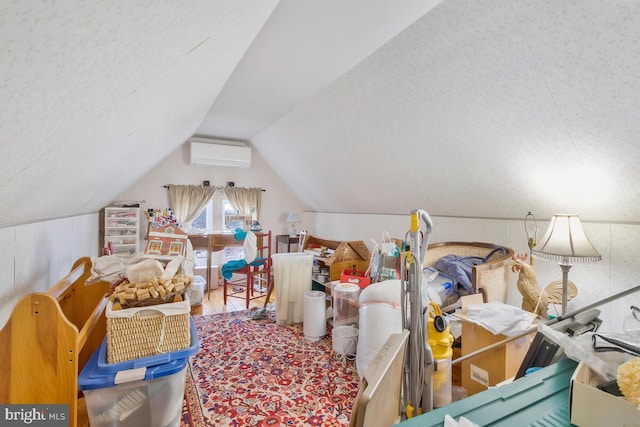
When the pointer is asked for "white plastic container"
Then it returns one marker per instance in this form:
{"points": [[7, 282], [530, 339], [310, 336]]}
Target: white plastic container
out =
{"points": [[148, 396], [196, 292], [292, 278], [314, 324], [442, 383], [344, 340], [345, 304]]}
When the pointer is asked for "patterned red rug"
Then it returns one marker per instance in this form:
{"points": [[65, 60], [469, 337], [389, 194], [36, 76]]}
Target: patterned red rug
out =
{"points": [[258, 373]]}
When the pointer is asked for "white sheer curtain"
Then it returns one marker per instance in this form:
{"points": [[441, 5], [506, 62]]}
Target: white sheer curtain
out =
{"points": [[245, 200], [188, 200]]}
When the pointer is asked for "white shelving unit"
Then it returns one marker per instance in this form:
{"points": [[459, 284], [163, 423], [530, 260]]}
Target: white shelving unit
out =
{"points": [[121, 227]]}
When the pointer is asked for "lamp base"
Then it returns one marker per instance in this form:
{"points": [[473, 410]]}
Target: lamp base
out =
{"points": [[292, 231], [565, 286]]}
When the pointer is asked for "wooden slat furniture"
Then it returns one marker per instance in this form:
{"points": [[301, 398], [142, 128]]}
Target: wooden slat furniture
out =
{"points": [[490, 279], [49, 338]]}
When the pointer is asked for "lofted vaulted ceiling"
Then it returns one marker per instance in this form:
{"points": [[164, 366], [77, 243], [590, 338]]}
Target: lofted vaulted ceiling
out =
{"points": [[482, 108]]}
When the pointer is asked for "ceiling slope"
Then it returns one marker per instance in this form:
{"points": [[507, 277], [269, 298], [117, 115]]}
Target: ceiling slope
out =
{"points": [[94, 94], [480, 108], [468, 107], [303, 47]]}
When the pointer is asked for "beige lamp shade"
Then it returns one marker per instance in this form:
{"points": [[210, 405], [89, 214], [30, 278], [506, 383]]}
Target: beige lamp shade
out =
{"points": [[565, 242]]}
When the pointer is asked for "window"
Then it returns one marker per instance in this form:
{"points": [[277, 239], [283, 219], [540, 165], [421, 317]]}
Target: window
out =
{"points": [[212, 218], [213, 215]]}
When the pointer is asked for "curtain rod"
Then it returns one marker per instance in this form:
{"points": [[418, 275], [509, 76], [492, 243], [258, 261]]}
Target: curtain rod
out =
{"points": [[219, 186]]}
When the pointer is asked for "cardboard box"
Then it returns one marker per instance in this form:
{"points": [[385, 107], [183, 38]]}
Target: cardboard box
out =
{"points": [[592, 407], [492, 367]]}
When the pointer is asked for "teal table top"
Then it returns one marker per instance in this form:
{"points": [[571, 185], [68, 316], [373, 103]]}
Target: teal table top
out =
{"points": [[540, 398]]}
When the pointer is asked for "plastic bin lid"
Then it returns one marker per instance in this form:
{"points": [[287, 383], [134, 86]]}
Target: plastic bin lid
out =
{"points": [[91, 378], [346, 287], [157, 359]]}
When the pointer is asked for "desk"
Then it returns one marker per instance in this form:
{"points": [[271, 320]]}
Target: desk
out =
{"points": [[212, 242], [286, 240]]}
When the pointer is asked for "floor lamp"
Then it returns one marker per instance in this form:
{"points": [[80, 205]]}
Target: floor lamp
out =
{"points": [[565, 243]]}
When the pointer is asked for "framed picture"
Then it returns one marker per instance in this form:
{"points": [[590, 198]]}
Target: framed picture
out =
{"points": [[175, 248], [154, 247]]}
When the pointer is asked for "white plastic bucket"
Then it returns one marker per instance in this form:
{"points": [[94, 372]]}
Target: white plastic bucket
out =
{"points": [[314, 323], [345, 340]]}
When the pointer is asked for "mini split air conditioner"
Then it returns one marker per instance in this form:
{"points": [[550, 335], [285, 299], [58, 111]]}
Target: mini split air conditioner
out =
{"points": [[215, 152]]}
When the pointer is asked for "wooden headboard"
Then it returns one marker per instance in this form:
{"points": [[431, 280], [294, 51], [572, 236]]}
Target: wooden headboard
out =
{"points": [[490, 279], [49, 338]]}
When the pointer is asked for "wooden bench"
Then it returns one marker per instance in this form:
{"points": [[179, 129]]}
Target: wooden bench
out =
{"points": [[49, 338]]}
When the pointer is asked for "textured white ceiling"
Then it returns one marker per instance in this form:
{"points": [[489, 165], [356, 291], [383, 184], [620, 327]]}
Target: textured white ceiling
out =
{"points": [[94, 94], [481, 108], [477, 108], [303, 47]]}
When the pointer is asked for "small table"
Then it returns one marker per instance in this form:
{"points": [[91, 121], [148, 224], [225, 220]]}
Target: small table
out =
{"points": [[287, 240], [212, 242]]}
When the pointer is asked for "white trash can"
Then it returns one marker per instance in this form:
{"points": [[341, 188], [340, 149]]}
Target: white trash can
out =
{"points": [[314, 325]]}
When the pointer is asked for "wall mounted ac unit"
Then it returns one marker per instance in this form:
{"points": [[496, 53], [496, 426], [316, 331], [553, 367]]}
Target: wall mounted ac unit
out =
{"points": [[216, 152]]}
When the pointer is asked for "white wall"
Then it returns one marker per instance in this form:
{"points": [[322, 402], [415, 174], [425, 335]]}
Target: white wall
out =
{"points": [[617, 243], [276, 201], [35, 256]]}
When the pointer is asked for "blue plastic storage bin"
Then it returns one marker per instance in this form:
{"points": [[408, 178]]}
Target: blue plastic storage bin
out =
{"points": [[145, 396]]}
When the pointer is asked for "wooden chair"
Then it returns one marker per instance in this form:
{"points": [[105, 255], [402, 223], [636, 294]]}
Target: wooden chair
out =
{"points": [[255, 277], [301, 240]]}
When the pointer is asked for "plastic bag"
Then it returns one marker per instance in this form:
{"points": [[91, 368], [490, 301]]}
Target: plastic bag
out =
{"points": [[384, 260], [580, 348], [387, 246]]}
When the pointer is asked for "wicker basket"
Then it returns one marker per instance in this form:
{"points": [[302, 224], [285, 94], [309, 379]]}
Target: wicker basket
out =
{"points": [[138, 332]]}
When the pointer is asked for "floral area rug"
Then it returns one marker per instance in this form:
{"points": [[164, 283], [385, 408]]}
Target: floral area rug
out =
{"points": [[258, 373]]}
